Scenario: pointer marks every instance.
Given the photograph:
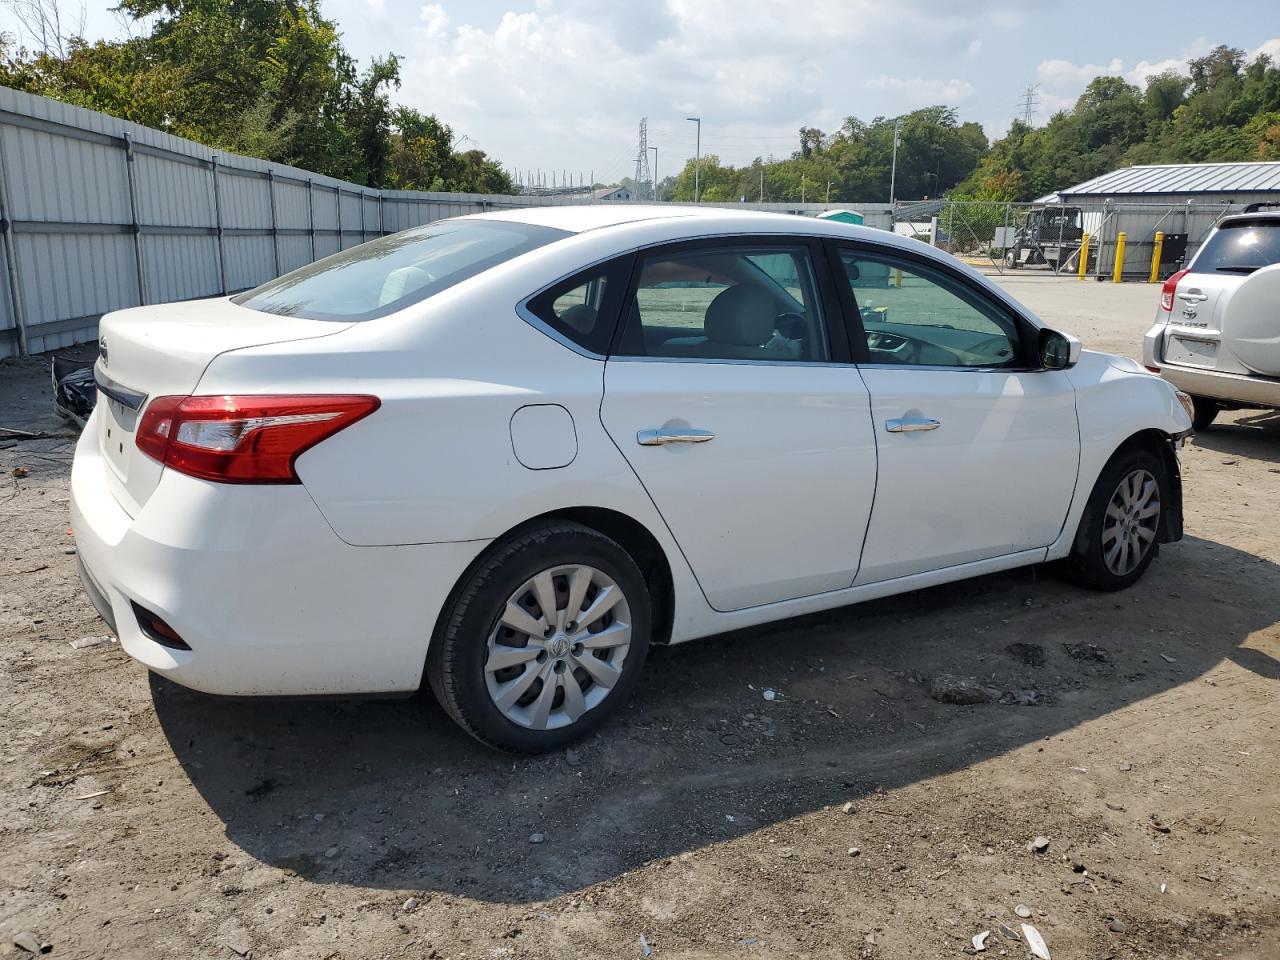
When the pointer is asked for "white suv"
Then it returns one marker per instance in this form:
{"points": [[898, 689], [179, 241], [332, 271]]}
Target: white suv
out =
{"points": [[1217, 330]]}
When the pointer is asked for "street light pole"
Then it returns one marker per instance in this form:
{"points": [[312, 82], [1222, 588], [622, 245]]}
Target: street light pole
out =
{"points": [[893, 171], [829, 182], [697, 156], [655, 172]]}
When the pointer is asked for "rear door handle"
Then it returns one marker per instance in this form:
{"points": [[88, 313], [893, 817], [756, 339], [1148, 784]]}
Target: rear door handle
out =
{"points": [[657, 438], [911, 424], [1193, 297]]}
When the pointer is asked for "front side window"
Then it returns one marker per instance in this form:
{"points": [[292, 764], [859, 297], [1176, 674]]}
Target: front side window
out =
{"points": [[391, 273], [732, 303], [915, 315]]}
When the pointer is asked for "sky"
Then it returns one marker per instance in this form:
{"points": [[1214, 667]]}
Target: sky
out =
{"points": [[562, 84]]}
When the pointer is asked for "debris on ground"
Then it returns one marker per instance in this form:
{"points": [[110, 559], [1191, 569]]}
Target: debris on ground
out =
{"points": [[962, 691], [980, 941], [410, 905], [74, 389], [84, 643], [26, 940], [849, 807], [1008, 932], [645, 949], [854, 852], [19, 472], [1085, 651], [1117, 925], [1031, 654], [1038, 845], [770, 693], [1035, 942], [537, 837], [1022, 910]]}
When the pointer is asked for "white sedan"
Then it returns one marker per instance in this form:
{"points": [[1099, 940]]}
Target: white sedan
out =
{"points": [[509, 452]]}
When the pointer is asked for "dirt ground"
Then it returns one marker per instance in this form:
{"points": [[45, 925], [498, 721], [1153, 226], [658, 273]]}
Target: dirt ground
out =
{"points": [[1139, 735]]}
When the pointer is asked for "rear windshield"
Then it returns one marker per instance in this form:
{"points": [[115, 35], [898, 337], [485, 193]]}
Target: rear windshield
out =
{"points": [[1240, 248], [388, 274]]}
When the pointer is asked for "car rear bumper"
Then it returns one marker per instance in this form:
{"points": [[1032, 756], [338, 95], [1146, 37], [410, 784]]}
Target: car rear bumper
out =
{"points": [[269, 600], [1234, 387]]}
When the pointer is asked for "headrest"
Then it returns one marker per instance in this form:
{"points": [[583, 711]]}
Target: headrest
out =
{"points": [[741, 316], [579, 317]]}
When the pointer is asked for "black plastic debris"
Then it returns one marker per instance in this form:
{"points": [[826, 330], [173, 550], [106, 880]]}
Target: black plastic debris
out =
{"points": [[74, 392]]}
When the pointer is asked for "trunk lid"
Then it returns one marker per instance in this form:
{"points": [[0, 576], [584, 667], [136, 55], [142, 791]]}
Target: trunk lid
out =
{"points": [[163, 350], [1194, 334]]}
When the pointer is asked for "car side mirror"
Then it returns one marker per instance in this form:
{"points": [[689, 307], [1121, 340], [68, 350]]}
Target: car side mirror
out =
{"points": [[1058, 351]]}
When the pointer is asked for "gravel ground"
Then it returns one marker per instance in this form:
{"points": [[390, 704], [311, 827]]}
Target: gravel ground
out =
{"points": [[852, 816]]}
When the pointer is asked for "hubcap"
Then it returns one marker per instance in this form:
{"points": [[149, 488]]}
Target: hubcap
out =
{"points": [[1131, 522], [558, 647]]}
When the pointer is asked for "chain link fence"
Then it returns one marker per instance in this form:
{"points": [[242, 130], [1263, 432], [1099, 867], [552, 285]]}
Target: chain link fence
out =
{"points": [[998, 236]]}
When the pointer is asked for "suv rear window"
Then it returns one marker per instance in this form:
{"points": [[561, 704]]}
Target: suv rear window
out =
{"points": [[1240, 247], [388, 274]]}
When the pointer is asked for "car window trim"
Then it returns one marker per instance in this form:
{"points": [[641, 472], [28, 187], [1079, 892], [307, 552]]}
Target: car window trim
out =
{"points": [[837, 347], [1028, 332]]}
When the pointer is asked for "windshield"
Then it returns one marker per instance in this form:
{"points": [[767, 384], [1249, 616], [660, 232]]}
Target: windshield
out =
{"points": [[388, 274], [1240, 247]]}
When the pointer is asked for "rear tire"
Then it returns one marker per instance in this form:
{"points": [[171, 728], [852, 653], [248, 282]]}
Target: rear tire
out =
{"points": [[518, 679], [1206, 411], [1119, 532]]}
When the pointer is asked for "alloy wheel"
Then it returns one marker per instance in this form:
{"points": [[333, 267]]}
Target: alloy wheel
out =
{"points": [[1131, 522], [558, 647]]}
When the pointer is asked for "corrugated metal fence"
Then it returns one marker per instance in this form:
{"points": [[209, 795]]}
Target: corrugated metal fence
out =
{"points": [[97, 214]]}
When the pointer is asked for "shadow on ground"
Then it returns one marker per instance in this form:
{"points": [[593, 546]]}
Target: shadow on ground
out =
{"points": [[1253, 434], [392, 795]]}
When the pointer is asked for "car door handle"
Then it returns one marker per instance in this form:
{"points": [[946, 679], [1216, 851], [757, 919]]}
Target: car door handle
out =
{"points": [[656, 438], [1193, 297], [911, 424]]}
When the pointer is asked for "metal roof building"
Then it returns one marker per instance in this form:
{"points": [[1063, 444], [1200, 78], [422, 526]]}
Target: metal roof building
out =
{"points": [[1201, 182]]}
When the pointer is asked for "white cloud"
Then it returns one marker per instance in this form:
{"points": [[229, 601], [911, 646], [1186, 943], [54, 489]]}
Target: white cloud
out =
{"points": [[920, 92], [377, 6], [434, 20]]}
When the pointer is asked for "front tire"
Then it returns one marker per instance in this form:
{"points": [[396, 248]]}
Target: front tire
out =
{"points": [[544, 640], [1206, 411], [1120, 530]]}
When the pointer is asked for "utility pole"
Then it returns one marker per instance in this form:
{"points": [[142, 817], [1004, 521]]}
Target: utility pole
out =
{"points": [[829, 182], [802, 188], [893, 171], [697, 155], [655, 173], [762, 183], [642, 159]]}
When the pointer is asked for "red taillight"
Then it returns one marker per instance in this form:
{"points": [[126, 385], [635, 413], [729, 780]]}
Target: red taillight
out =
{"points": [[1166, 292], [243, 439]]}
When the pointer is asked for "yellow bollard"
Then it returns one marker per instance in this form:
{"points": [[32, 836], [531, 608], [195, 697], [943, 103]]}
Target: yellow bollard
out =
{"points": [[1155, 257], [1083, 266], [897, 277], [1115, 271]]}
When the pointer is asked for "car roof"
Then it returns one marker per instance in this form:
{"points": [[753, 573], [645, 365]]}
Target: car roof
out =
{"points": [[581, 217]]}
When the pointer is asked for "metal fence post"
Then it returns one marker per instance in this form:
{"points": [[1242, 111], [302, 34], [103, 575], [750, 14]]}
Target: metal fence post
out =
{"points": [[11, 256], [217, 223], [311, 215], [337, 194], [275, 230], [137, 223]]}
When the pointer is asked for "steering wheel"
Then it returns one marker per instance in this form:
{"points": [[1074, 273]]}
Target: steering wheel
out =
{"points": [[792, 326]]}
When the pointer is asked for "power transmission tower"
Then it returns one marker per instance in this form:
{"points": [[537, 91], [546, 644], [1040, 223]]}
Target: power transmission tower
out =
{"points": [[642, 160], [1030, 100]]}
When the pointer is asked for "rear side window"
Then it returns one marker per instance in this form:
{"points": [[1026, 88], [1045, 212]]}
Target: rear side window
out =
{"points": [[1240, 248], [584, 308], [391, 273]]}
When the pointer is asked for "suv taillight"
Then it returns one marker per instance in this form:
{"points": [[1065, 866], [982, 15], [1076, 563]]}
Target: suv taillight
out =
{"points": [[244, 439], [1166, 292]]}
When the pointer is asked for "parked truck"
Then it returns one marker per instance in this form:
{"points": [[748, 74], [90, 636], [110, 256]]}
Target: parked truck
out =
{"points": [[1047, 237]]}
